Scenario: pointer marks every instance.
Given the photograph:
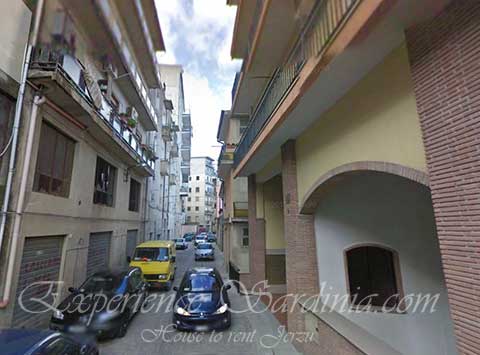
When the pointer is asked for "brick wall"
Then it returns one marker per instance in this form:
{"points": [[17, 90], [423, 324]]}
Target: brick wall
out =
{"points": [[301, 256], [445, 64], [256, 232]]}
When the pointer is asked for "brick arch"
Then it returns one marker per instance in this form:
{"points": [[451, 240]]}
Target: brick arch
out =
{"points": [[312, 197]]}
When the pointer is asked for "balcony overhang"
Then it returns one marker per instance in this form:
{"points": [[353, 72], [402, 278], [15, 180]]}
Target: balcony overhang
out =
{"points": [[372, 32], [141, 22], [60, 90], [265, 53], [99, 31]]}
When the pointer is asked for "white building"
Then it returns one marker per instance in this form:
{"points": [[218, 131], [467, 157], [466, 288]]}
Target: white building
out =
{"points": [[177, 146], [201, 201]]}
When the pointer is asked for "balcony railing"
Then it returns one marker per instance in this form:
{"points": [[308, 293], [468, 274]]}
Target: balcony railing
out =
{"points": [[323, 25], [46, 59]]}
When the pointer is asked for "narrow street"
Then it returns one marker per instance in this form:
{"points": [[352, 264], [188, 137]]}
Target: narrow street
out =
{"points": [[253, 326]]}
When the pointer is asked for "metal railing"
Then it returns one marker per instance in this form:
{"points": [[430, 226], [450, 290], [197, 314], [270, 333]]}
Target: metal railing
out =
{"points": [[47, 59], [324, 23]]}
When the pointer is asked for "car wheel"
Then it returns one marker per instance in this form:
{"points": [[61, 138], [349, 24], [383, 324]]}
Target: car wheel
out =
{"points": [[122, 330]]}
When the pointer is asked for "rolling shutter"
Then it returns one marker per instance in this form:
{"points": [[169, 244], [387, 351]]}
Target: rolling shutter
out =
{"points": [[41, 261], [98, 252]]}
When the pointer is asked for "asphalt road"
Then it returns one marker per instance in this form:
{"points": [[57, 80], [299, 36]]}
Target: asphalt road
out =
{"points": [[252, 332]]}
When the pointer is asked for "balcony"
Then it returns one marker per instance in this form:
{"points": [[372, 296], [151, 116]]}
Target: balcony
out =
{"points": [[322, 26], [62, 78], [133, 84], [174, 151], [166, 133], [225, 160], [240, 210]]}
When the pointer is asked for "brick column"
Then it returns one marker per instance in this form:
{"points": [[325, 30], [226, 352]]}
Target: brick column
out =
{"points": [[445, 65], [256, 232], [301, 256]]}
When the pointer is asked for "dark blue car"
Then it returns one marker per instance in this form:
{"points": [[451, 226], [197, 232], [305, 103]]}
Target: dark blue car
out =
{"points": [[44, 342]]}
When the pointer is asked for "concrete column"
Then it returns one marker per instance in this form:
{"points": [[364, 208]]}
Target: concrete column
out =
{"points": [[301, 257], [256, 232], [445, 68]]}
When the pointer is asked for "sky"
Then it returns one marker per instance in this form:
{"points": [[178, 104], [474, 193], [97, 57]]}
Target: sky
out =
{"points": [[198, 35]]}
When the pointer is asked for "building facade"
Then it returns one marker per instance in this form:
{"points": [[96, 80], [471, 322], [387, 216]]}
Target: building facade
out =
{"points": [[81, 153], [233, 216], [201, 200], [177, 151], [362, 168]]}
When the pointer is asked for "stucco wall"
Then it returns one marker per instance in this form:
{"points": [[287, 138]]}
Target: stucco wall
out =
{"points": [[396, 213], [14, 29], [273, 213], [377, 121], [239, 254]]}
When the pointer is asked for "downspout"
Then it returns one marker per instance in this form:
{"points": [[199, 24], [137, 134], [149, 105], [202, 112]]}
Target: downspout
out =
{"points": [[13, 152]]}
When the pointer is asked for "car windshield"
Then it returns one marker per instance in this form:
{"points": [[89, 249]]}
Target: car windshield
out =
{"points": [[205, 246], [104, 284], [151, 254], [180, 240], [201, 283]]}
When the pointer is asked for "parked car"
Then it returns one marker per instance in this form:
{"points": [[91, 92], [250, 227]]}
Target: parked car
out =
{"points": [[211, 238], [188, 237], [156, 258], [205, 251], [103, 305], [200, 238], [33, 341], [201, 301], [180, 243]]}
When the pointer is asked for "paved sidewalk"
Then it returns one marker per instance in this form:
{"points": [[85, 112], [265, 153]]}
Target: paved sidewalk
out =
{"points": [[248, 332]]}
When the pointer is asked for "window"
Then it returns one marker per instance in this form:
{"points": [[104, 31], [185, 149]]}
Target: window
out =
{"points": [[189, 218], [197, 189], [372, 276], [189, 178], [189, 189], [198, 177], [189, 199], [54, 162], [197, 199], [244, 237], [196, 208], [189, 208], [104, 183], [134, 199]]}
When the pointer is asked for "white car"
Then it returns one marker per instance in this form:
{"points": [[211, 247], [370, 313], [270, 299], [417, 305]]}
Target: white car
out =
{"points": [[180, 243], [201, 238]]}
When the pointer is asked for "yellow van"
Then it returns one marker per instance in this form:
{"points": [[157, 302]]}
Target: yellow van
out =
{"points": [[156, 258]]}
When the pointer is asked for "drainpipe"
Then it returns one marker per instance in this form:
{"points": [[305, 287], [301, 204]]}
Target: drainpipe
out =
{"points": [[15, 132]]}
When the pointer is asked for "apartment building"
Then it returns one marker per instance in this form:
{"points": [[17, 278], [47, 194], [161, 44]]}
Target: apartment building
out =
{"points": [[201, 200], [362, 167], [233, 233], [75, 193], [177, 157]]}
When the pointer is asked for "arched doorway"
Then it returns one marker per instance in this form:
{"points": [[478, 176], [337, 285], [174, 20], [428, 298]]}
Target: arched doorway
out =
{"points": [[375, 232]]}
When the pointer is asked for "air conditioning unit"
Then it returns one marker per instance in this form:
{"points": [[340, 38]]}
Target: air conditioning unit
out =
{"points": [[132, 113]]}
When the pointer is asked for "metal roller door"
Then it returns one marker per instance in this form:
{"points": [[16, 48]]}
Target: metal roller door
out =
{"points": [[98, 252], [131, 242], [41, 261]]}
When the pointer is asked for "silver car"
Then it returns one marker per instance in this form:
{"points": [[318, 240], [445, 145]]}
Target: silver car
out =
{"points": [[205, 251]]}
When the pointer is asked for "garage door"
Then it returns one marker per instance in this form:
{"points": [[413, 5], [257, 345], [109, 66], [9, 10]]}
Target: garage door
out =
{"points": [[98, 252], [131, 242], [41, 261]]}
